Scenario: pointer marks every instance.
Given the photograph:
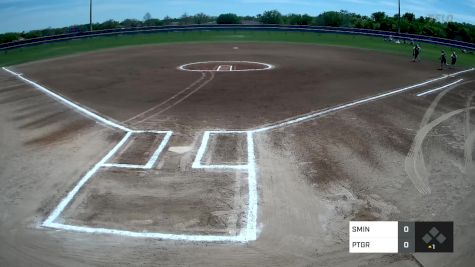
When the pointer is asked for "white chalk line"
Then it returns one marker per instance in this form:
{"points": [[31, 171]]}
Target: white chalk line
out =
{"points": [[65, 201], [247, 234], [196, 238], [250, 232], [312, 115], [153, 159], [69, 103], [224, 68], [266, 65], [439, 88]]}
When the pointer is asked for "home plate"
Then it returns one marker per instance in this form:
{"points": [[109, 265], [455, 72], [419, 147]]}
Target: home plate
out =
{"points": [[180, 149]]}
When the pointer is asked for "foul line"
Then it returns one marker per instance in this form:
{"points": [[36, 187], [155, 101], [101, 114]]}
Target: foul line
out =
{"points": [[69, 103], [439, 88], [247, 234], [312, 115]]}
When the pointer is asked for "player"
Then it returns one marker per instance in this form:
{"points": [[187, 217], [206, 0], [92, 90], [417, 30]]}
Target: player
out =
{"points": [[416, 52], [443, 60], [453, 58]]}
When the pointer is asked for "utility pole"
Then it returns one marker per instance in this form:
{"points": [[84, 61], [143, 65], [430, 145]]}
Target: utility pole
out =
{"points": [[399, 17], [90, 15]]}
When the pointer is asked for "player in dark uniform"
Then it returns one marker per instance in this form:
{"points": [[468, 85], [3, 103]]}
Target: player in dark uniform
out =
{"points": [[416, 52], [443, 60], [453, 58]]}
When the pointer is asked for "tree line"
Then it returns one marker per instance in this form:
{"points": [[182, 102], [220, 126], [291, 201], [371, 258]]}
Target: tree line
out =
{"points": [[408, 22]]}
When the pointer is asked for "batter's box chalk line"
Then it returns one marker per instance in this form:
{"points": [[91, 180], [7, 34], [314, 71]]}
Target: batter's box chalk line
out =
{"points": [[249, 232], [153, 159]]}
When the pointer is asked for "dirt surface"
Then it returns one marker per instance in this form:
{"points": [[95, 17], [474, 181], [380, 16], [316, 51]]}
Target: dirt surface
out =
{"points": [[158, 201], [138, 150], [226, 149], [122, 83], [362, 163]]}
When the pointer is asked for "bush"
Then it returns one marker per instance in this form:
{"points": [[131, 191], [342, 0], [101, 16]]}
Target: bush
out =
{"points": [[9, 37], [271, 17], [228, 18]]}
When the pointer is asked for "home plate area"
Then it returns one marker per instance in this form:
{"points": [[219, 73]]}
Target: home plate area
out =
{"points": [[137, 190]]}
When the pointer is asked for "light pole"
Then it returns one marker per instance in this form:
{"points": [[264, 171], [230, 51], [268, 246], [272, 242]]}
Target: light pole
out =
{"points": [[399, 17], [90, 15]]}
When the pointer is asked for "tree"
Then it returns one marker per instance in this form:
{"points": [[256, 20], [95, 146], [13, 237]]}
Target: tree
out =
{"points": [[296, 19], [185, 19], [9, 37], [153, 22], [147, 16], [410, 17], [129, 23], [271, 17], [228, 18], [378, 21], [167, 20], [201, 18], [108, 24], [451, 30], [331, 18], [379, 16]]}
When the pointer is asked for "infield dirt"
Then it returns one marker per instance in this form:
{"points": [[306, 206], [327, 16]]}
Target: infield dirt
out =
{"points": [[313, 177]]}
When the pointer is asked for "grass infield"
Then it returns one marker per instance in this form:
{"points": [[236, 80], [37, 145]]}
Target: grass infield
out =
{"points": [[45, 51]]}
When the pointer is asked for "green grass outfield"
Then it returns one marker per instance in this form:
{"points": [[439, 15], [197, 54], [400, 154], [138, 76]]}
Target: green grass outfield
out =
{"points": [[45, 51]]}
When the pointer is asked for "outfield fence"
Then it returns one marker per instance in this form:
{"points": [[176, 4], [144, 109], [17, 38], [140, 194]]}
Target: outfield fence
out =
{"points": [[239, 27]]}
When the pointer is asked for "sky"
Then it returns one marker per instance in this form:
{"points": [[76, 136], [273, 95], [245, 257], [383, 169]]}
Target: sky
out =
{"points": [[26, 15]]}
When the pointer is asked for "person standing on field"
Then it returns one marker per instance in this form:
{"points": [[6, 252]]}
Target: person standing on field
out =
{"points": [[416, 51], [453, 59], [443, 60]]}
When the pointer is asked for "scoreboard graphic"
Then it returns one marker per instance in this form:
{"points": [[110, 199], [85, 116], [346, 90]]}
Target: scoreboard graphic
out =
{"points": [[400, 237]]}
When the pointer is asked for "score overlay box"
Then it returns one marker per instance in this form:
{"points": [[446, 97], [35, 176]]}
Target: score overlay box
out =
{"points": [[373, 237], [400, 237]]}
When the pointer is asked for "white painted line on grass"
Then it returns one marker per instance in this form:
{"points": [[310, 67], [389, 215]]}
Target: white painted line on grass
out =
{"points": [[69, 103], [439, 88]]}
